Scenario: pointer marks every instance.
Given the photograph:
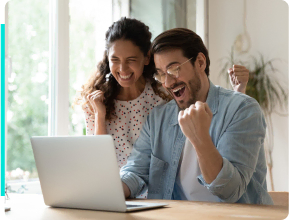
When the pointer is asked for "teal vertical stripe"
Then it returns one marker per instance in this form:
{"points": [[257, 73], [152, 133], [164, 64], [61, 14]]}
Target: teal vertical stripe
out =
{"points": [[2, 110]]}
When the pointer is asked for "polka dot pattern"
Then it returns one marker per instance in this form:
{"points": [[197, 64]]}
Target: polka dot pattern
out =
{"points": [[130, 117]]}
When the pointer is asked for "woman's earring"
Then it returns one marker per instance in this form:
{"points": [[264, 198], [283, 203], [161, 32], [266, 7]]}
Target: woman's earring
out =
{"points": [[107, 77]]}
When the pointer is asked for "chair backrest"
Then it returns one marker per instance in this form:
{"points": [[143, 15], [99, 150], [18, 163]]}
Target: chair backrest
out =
{"points": [[280, 198]]}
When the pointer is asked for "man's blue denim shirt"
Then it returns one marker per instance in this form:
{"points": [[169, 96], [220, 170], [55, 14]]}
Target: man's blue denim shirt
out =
{"points": [[237, 130]]}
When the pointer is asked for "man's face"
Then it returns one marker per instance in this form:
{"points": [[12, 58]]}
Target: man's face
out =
{"points": [[186, 88]]}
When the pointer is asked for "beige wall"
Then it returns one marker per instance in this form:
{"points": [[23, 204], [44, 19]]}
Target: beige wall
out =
{"points": [[267, 24]]}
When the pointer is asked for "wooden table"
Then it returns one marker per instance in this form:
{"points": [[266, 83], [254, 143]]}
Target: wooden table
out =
{"points": [[32, 207]]}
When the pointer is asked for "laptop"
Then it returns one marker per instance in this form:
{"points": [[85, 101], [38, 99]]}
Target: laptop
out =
{"points": [[81, 172]]}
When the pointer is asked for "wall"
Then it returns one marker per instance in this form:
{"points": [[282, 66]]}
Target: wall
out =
{"points": [[267, 24]]}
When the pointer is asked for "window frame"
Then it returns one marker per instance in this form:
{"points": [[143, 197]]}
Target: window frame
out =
{"points": [[202, 16], [58, 116]]}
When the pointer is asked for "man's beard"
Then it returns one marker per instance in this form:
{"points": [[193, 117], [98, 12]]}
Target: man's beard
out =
{"points": [[194, 86]]}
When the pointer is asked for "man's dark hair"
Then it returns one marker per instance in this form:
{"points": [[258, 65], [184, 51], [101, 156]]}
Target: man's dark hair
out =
{"points": [[181, 38]]}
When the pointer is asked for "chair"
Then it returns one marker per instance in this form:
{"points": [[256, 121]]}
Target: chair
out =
{"points": [[280, 198]]}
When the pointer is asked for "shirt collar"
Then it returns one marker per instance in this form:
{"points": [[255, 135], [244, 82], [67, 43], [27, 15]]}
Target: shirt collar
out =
{"points": [[213, 98], [212, 101]]}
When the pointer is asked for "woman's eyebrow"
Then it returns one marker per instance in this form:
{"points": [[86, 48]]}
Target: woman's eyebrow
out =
{"points": [[131, 57]]}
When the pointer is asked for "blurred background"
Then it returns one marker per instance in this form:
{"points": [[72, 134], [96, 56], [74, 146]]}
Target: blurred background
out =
{"points": [[52, 46]]}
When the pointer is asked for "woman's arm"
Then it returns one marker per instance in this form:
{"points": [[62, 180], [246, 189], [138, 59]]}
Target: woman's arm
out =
{"points": [[239, 77], [96, 124], [100, 126]]}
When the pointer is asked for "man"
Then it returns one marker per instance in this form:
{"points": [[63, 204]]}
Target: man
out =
{"points": [[205, 145]]}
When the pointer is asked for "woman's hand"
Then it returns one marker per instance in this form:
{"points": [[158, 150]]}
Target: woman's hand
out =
{"points": [[96, 101], [239, 77]]}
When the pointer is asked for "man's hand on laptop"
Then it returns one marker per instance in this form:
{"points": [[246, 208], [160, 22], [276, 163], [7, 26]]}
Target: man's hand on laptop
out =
{"points": [[126, 190]]}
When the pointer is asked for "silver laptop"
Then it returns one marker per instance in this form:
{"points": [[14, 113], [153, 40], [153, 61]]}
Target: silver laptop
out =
{"points": [[82, 172]]}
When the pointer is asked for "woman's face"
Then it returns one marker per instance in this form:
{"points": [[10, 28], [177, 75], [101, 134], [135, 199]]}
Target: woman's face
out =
{"points": [[126, 62]]}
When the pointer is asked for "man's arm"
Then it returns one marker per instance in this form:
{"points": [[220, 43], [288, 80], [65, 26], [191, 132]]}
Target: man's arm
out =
{"points": [[125, 190], [195, 123], [135, 173], [238, 149], [239, 146], [210, 160]]}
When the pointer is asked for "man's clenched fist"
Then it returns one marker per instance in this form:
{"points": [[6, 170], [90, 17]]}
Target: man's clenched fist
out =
{"points": [[195, 123]]}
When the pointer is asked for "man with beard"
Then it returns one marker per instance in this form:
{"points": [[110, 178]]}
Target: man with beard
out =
{"points": [[205, 145]]}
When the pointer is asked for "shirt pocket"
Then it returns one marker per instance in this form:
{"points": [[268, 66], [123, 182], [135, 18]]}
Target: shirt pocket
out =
{"points": [[157, 172]]}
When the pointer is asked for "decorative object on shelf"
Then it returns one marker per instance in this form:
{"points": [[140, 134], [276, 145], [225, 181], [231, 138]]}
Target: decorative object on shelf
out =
{"points": [[264, 86]]}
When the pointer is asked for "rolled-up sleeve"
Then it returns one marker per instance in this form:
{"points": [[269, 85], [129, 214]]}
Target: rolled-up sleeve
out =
{"points": [[134, 183], [239, 146]]}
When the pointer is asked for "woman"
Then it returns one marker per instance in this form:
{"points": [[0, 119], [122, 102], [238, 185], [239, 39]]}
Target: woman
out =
{"points": [[121, 93]]}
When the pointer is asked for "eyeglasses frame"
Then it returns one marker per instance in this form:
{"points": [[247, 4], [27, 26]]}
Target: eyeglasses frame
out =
{"points": [[172, 75]]}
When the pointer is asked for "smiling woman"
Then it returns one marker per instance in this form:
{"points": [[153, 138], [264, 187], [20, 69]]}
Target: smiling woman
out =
{"points": [[120, 95], [126, 63]]}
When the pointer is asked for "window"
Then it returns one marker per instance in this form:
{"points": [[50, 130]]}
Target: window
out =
{"points": [[161, 15], [86, 45], [45, 75], [28, 92]]}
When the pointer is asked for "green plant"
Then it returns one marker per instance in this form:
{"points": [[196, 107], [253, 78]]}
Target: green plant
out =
{"points": [[264, 86]]}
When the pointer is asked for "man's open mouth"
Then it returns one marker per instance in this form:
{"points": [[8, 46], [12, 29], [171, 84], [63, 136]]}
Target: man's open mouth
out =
{"points": [[178, 92]]}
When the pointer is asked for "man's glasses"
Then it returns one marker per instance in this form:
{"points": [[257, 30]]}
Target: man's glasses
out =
{"points": [[173, 71]]}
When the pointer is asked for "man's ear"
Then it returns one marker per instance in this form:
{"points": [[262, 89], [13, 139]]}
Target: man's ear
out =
{"points": [[201, 61], [147, 58]]}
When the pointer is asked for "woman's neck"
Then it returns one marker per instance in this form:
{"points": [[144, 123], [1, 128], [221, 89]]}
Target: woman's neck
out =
{"points": [[132, 92]]}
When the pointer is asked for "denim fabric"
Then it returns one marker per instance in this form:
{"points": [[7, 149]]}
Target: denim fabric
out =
{"points": [[237, 130]]}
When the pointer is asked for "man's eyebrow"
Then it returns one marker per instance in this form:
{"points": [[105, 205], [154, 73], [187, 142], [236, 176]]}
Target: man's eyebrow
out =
{"points": [[170, 64]]}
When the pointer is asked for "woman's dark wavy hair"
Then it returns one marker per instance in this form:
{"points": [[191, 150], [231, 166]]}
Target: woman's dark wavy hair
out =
{"points": [[125, 29], [181, 38]]}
